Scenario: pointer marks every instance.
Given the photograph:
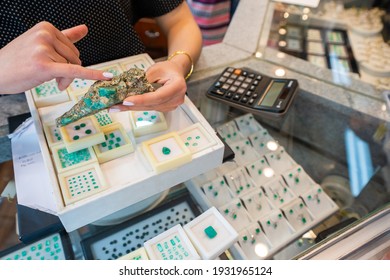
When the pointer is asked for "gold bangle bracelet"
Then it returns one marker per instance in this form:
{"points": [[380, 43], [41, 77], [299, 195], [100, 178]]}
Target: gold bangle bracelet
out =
{"points": [[189, 57]]}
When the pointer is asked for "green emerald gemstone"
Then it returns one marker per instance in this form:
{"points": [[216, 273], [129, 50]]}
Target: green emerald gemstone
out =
{"points": [[166, 151], [210, 232]]}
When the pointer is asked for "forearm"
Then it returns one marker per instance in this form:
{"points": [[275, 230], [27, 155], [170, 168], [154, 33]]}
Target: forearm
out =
{"points": [[185, 38], [183, 34]]}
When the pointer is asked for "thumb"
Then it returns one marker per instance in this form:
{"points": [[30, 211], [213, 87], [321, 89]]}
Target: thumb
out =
{"points": [[75, 33]]}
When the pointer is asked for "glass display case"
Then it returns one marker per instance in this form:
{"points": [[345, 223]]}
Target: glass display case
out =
{"points": [[328, 155]]}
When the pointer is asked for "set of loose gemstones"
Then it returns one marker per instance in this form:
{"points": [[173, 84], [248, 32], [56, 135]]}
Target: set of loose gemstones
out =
{"points": [[78, 149]]}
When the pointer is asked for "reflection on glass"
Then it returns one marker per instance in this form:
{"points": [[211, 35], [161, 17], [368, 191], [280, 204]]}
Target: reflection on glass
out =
{"points": [[261, 250], [280, 72], [268, 172]]}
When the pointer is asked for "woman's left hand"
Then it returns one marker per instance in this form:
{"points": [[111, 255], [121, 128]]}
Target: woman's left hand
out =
{"points": [[166, 98]]}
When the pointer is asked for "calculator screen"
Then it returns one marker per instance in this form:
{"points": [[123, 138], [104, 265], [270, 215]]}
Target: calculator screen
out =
{"points": [[272, 94]]}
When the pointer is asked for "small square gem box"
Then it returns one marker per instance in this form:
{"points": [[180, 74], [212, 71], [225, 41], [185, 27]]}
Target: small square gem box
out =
{"points": [[229, 132], [236, 214], [78, 88], [278, 192], [276, 227], [117, 143], [48, 94], [257, 204], [298, 180], [147, 122], [172, 244], [239, 181], [82, 134], [254, 242], [280, 160], [318, 202], [211, 234], [166, 152], [263, 142], [65, 161], [247, 124], [137, 61], [77, 184], [103, 117], [217, 191], [53, 134], [196, 138], [298, 215], [260, 171]]}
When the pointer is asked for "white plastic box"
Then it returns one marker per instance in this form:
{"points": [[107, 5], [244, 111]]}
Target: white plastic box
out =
{"points": [[130, 178]]}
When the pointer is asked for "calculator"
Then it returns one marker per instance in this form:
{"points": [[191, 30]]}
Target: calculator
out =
{"points": [[254, 92]]}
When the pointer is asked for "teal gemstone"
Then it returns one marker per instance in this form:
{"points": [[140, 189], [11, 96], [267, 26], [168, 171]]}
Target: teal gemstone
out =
{"points": [[166, 151], [210, 232]]}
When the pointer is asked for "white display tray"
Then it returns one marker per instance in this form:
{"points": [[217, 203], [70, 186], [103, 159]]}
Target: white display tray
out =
{"points": [[131, 178]]}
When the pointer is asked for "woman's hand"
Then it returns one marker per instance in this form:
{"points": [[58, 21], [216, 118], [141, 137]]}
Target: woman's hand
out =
{"points": [[41, 54], [166, 98]]}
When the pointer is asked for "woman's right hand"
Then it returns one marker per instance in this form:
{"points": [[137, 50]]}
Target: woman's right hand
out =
{"points": [[41, 54]]}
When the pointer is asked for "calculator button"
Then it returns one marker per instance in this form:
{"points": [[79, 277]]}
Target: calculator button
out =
{"points": [[233, 76], [248, 80], [255, 95], [218, 91], [226, 74], [237, 83], [244, 73], [229, 94], [222, 79], [258, 77], [217, 84], [225, 86], [255, 82], [251, 75], [230, 69], [237, 72], [236, 96], [233, 88], [244, 99], [252, 88], [241, 78], [248, 93], [251, 101], [244, 85], [240, 91]]}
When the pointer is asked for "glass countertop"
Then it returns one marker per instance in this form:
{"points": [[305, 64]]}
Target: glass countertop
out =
{"points": [[348, 37]]}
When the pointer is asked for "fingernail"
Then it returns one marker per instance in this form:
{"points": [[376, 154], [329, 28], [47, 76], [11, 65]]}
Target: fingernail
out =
{"points": [[113, 110], [108, 75], [128, 103]]}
